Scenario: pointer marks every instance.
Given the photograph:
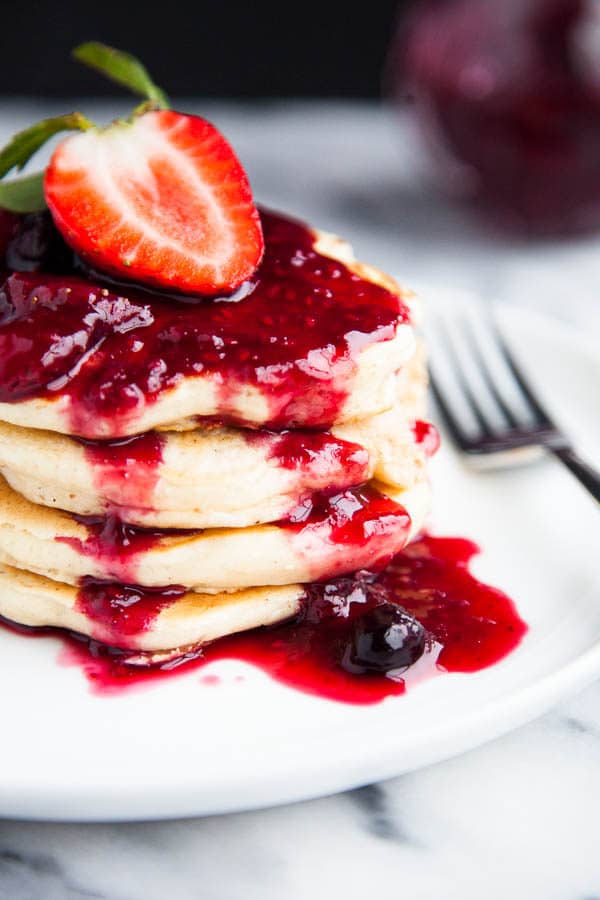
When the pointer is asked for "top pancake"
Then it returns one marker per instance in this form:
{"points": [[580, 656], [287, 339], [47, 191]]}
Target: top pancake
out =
{"points": [[313, 340]]}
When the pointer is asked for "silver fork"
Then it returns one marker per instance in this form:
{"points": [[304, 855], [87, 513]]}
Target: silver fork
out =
{"points": [[490, 410]]}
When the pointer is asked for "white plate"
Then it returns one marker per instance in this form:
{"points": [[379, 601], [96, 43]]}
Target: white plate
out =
{"points": [[186, 748]]}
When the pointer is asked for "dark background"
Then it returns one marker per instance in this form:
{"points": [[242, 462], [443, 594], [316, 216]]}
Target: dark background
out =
{"points": [[211, 48]]}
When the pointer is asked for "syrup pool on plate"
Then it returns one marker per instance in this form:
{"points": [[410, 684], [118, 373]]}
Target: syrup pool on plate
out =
{"points": [[468, 626]]}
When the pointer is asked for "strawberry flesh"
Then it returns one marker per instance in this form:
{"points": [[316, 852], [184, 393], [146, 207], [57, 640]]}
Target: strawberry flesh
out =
{"points": [[162, 200]]}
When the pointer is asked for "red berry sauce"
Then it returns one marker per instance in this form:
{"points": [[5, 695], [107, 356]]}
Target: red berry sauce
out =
{"points": [[359, 527], [331, 461], [294, 333], [470, 626], [122, 610]]}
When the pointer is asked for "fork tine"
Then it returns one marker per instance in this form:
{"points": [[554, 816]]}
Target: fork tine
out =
{"points": [[526, 391], [485, 373], [459, 436], [507, 445], [473, 404]]}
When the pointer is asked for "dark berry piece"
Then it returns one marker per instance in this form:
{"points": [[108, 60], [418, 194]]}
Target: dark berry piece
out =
{"points": [[386, 637], [9, 223], [38, 246]]}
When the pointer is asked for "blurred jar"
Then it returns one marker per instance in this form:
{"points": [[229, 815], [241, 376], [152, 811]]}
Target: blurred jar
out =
{"points": [[509, 91]]}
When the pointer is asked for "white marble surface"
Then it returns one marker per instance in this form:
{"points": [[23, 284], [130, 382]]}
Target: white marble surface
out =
{"points": [[515, 818]]}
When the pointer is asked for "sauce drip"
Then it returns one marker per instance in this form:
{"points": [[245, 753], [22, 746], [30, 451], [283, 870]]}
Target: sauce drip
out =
{"points": [[470, 625], [331, 461], [116, 545], [122, 610], [356, 527], [126, 471]]}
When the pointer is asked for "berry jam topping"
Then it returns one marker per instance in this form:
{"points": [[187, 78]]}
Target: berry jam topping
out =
{"points": [[385, 639], [326, 527], [127, 470], [301, 450], [123, 611], [427, 590], [427, 435], [294, 335]]}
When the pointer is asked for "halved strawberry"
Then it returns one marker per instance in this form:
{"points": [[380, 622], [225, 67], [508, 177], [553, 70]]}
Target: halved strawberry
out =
{"points": [[161, 199]]}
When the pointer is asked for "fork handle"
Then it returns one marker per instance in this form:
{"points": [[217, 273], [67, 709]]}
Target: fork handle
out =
{"points": [[586, 474]]}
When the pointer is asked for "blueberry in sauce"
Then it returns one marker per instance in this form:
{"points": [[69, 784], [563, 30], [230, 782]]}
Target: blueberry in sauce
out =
{"points": [[37, 245], [384, 638]]}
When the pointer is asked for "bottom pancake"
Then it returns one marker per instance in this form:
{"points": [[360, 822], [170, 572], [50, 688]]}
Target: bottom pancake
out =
{"points": [[189, 620]]}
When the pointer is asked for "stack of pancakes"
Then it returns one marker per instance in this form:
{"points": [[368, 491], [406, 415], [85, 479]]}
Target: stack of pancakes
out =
{"points": [[221, 518]]}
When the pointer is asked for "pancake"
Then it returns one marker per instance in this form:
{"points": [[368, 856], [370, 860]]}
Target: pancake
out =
{"points": [[216, 477], [193, 619], [315, 340], [325, 537]]}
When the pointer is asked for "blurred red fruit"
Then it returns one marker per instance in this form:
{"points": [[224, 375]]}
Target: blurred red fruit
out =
{"points": [[510, 93]]}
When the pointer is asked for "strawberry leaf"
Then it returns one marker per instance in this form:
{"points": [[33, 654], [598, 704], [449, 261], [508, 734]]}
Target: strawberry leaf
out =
{"points": [[123, 68], [24, 144], [23, 195]]}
